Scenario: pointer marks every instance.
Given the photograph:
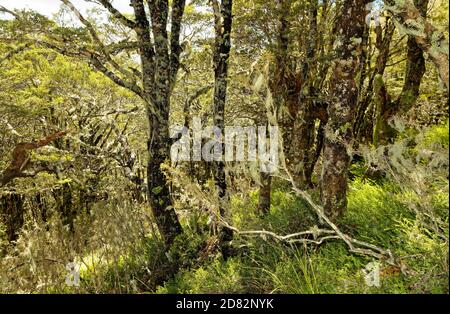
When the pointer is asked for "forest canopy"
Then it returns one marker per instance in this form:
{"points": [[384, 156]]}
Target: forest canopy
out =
{"points": [[224, 146]]}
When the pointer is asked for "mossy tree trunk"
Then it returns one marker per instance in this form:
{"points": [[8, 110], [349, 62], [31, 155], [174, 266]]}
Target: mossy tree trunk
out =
{"points": [[302, 148], [385, 109], [342, 109], [159, 55], [364, 123], [415, 69], [415, 66], [160, 63], [223, 22]]}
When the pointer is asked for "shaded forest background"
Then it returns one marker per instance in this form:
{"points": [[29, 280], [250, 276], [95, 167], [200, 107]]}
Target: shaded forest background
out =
{"points": [[87, 100]]}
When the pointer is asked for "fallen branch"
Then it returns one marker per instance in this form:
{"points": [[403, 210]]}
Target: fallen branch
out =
{"points": [[318, 235]]}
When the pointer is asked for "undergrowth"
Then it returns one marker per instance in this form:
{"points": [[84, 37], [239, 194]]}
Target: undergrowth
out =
{"points": [[403, 211]]}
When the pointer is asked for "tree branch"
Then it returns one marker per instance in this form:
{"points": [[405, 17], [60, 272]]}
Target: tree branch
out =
{"points": [[175, 47], [5, 10], [97, 40], [119, 16], [21, 158]]}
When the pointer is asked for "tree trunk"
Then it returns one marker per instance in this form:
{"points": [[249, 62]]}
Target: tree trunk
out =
{"points": [[304, 130], [264, 193], [385, 109], [415, 67], [158, 186], [381, 102], [364, 127], [342, 109], [159, 68], [223, 22], [426, 35]]}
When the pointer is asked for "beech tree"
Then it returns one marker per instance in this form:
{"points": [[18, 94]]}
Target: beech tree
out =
{"points": [[222, 25], [159, 53], [342, 107]]}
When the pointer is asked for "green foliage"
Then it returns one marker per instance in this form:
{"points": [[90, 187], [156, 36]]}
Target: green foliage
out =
{"points": [[186, 247], [288, 213], [377, 213], [398, 193], [436, 136], [372, 212], [217, 277]]}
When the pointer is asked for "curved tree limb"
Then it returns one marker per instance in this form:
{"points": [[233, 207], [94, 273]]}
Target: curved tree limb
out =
{"points": [[21, 158]]}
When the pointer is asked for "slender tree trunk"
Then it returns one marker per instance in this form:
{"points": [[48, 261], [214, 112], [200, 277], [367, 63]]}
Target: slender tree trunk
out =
{"points": [[223, 22], [363, 128], [282, 81], [381, 102], [304, 129], [385, 109], [264, 193], [265, 189], [415, 67], [342, 109]]}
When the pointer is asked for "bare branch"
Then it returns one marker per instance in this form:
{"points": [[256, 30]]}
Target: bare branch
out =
{"points": [[5, 10], [97, 39], [119, 16], [146, 50], [116, 79]]}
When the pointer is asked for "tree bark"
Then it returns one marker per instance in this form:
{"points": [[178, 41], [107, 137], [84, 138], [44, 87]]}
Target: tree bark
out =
{"points": [[364, 127], [264, 193], [342, 109], [159, 69], [415, 67], [223, 23], [385, 109], [304, 130]]}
